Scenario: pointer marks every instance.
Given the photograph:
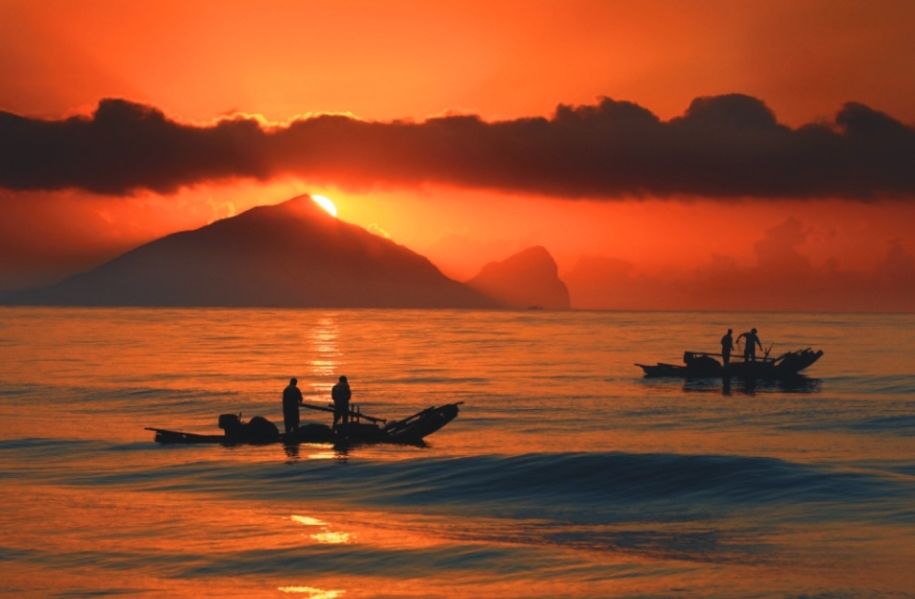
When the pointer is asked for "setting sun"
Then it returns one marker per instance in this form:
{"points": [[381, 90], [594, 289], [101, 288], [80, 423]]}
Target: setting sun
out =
{"points": [[326, 204]]}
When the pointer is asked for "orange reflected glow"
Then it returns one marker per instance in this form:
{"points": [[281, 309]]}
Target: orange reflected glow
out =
{"points": [[312, 592], [607, 570]]}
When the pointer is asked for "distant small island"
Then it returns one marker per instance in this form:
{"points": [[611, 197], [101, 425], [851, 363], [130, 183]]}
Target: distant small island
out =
{"points": [[528, 279]]}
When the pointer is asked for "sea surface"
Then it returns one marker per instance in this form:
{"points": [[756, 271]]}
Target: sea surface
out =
{"points": [[566, 474]]}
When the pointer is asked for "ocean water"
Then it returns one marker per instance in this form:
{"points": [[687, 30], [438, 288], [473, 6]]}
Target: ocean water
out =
{"points": [[566, 474]]}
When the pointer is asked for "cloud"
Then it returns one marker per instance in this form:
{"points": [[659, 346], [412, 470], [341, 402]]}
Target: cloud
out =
{"points": [[781, 278], [721, 147]]}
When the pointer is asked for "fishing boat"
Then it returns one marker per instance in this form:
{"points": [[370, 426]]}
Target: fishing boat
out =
{"points": [[706, 365], [361, 429]]}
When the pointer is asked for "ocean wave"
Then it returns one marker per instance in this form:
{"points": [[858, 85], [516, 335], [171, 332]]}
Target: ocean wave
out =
{"points": [[10, 392], [573, 487], [38, 447], [896, 384], [434, 380], [299, 560], [99, 398], [899, 424]]}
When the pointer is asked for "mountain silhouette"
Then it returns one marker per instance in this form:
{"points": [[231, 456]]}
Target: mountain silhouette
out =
{"points": [[526, 279], [289, 254]]}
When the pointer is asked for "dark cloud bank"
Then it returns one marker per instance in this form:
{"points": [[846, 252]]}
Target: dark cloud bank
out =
{"points": [[723, 146]]}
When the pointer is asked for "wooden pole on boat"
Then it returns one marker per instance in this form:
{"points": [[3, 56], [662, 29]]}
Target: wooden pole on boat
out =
{"points": [[351, 412], [765, 358]]}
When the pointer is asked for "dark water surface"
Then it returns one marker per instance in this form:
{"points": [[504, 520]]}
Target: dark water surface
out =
{"points": [[566, 474]]}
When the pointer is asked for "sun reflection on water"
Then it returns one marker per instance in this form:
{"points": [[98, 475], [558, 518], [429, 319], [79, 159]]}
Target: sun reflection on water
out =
{"points": [[326, 536], [312, 592], [323, 367], [308, 520], [329, 454], [324, 360], [331, 538]]}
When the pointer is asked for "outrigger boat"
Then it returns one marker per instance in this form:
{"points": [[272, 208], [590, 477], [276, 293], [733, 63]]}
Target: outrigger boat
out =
{"points": [[705, 365], [260, 431]]}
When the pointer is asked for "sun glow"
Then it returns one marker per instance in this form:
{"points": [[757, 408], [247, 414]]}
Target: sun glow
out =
{"points": [[326, 204]]}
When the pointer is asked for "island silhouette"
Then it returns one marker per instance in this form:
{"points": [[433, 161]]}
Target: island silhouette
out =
{"points": [[292, 254], [524, 280]]}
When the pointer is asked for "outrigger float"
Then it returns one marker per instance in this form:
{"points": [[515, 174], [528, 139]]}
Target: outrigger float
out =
{"points": [[705, 365], [260, 431]]}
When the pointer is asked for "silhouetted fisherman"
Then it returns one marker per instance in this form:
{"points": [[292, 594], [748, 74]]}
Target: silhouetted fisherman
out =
{"points": [[750, 343], [341, 394], [727, 344], [292, 397]]}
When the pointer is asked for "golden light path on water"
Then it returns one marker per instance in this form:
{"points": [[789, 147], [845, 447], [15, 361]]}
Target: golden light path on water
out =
{"points": [[325, 357]]}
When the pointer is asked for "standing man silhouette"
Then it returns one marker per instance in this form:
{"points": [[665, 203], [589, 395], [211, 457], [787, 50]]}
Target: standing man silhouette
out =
{"points": [[341, 394], [750, 343], [727, 344], [292, 397]]}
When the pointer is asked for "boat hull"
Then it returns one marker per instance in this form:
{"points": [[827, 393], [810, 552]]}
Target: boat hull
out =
{"points": [[786, 366], [410, 430]]}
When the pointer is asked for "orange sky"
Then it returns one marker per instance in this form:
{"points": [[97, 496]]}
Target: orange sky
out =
{"points": [[402, 59], [198, 61]]}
